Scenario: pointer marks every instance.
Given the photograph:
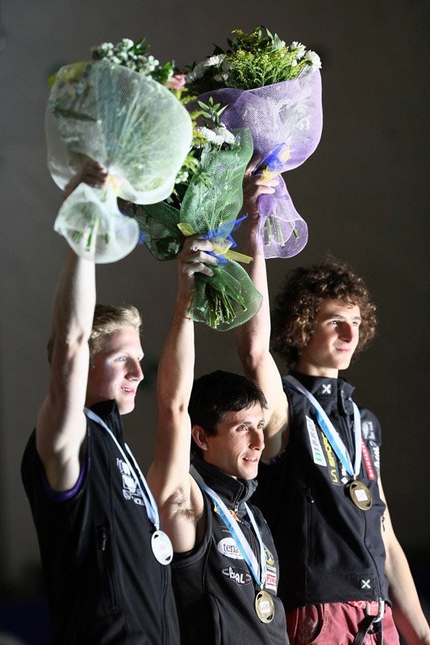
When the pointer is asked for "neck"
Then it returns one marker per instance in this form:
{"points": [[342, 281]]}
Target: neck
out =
{"points": [[316, 370]]}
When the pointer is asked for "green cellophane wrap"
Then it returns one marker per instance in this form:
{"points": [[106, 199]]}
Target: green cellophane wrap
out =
{"points": [[209, 208], [127, 122]]}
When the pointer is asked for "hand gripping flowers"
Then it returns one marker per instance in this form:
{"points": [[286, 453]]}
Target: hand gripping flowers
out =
{"points": [[115, 111], [208, 206], [275, 90]]}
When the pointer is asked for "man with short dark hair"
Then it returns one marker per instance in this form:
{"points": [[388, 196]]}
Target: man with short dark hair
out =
{"points": [[344, 574], [225, 569], [107, 579]]}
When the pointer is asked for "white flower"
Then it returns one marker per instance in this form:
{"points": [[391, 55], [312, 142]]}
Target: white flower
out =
{"points": [[313, 58], [218, 136], [196, 73], [104, 47], [126, 43], [221, 78], [212, 61], [298, 48]]}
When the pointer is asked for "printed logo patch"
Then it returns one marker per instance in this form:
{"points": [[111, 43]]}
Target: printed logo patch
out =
{"points": [[317, 452], [228, 547], [367, 462], [367, 430], [240, 576], [130, 488], [271, 581], [332, 462]]}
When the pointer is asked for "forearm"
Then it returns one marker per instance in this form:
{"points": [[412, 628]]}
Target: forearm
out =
{"points": [[253, 338], [407, 611], [176, 365], [74, 302]]}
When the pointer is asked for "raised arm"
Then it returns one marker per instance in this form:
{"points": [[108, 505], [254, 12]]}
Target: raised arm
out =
{"points": [[407, 612], [61, 425], [253, 338], [179, 499]]}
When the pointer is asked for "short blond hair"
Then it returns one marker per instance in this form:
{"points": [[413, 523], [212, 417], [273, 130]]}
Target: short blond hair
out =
{"points": [[107, 319]]}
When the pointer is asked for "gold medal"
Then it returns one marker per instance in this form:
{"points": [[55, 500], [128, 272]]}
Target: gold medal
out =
{"points": [[264, 606], [360, 494]]}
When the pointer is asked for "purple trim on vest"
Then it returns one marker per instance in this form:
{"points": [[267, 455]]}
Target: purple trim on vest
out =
{"points": [[63, 496]]}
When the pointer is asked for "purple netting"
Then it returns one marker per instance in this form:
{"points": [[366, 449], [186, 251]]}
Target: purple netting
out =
{"points": [[286, 123]]}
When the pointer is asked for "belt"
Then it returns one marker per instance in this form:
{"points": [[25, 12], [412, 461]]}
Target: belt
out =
{"points": [[374, 610], [373, 607]]}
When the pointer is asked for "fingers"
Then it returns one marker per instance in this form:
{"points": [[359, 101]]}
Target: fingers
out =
{"points": [[195, 257], [91, 173], [94, 174], [253, 165]]}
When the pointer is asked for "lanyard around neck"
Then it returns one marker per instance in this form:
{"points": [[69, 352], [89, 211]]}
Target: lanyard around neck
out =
{"points": [[331, 432], [259, 572], [148, 498]]}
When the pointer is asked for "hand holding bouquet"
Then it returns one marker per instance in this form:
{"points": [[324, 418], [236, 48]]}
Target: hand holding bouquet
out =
{"points": [[112, 110], [209, 207], [275, 90]]}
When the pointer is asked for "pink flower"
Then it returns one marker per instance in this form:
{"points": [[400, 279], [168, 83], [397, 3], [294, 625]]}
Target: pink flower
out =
{"points": [[176, 82]]}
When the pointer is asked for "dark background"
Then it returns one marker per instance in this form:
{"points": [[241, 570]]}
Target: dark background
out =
{"points": [[363, 193]]}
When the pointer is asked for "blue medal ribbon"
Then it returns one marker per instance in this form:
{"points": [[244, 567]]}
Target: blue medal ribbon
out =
{"points": [[148, 498], [259, 572], [330, 431]]}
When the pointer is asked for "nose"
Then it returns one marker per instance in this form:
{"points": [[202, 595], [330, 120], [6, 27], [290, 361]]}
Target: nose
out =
{"points": [[135, 372], [257, 440], [346, 331]]}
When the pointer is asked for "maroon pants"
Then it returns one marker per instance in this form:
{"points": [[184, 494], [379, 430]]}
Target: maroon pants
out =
{"points": [[335, 624]]}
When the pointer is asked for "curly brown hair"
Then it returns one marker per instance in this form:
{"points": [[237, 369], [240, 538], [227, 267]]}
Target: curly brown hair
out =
{"points": [[298, 302]]}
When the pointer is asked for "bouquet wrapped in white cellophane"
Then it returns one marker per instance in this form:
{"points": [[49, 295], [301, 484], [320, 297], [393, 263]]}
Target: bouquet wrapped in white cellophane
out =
{"points": [[127, 122]]}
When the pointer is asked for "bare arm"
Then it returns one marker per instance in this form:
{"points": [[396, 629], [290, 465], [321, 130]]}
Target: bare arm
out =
{"points": [[253, 338], [179, 498], [61, 425], [407, 612]]}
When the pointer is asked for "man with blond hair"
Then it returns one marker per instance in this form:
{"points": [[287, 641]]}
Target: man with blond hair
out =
{"points": [[104, 558]]}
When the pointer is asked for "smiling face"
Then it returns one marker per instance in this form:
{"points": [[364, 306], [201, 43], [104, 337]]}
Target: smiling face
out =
{"points": [[237, 445], [334, 340], [115, 372]]}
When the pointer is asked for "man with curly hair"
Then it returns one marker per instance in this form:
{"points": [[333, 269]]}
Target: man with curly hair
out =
{"points": [[345, 578]]}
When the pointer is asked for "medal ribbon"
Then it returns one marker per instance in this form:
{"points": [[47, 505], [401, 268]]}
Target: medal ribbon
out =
{"points": [[237, 533], [330, 431], [148, 498]]}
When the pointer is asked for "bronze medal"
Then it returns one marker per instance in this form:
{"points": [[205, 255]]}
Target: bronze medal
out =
{"points": [[264, 606], [360, 494]]}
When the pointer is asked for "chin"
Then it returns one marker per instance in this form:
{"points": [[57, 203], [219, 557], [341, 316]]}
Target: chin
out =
{"points": [[125, 408]]}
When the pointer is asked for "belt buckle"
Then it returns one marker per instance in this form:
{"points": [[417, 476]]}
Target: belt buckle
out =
{"points": [[381, 607]]}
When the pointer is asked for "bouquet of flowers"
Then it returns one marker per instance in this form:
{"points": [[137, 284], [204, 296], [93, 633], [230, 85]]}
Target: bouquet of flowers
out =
{"points": [[115, 110], [208, 205], [275, 90]]}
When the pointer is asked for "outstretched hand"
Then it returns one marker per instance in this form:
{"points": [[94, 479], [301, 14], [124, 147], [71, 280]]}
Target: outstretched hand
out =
{"points": [[91, 173]]}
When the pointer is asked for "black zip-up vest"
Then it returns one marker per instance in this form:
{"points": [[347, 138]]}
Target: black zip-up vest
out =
{"points": [[103, 583], [329, 549], [214, 588]]}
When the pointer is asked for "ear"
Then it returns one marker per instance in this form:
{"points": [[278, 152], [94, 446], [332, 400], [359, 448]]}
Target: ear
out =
{"points": [[200, 437]]}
